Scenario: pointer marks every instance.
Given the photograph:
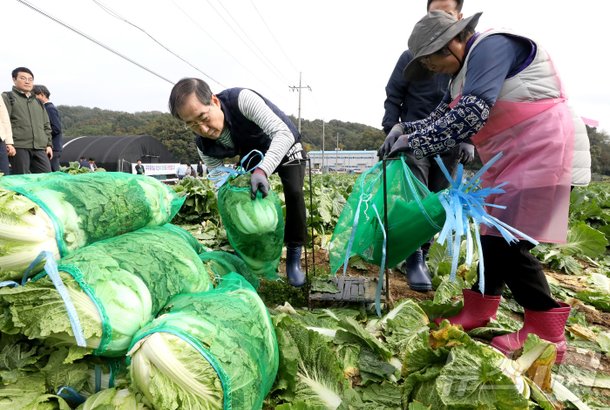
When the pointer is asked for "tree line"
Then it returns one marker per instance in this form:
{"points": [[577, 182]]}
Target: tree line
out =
{"points": [[84, 121]]}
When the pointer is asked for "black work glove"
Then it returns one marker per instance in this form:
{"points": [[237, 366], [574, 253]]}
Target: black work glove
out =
{"points": [[396, 131], [401, 145], [466, 154], [259, 182]]}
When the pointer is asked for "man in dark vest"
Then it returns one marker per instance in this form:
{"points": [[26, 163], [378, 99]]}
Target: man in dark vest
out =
{"points": [[235, 122]]}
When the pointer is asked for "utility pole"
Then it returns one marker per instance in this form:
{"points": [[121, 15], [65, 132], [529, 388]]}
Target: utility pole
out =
{"points": [[322, 146], [337, 152], [299, 88]]}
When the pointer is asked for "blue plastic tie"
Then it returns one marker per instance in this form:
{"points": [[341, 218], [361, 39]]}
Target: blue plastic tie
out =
{"points": [[50, 268], [10, 283], [220, 175], [464, 201]]}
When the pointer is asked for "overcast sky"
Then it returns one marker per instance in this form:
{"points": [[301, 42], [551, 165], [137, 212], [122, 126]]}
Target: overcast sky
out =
{"points": [[345, 49]]}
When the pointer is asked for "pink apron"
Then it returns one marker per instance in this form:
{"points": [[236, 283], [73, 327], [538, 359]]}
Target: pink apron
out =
{"points": [[537, 142]]}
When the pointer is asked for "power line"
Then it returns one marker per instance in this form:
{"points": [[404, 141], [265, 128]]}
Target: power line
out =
{"points": [[26, 3], [273, 36], [196, 24], [118, 16], [257, 51]]}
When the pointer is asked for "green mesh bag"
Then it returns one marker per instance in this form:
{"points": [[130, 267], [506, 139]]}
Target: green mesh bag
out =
{"points": [[85, 208], [255, 228], [212, 350], [415, 215], [221, 263], [108, 289]]}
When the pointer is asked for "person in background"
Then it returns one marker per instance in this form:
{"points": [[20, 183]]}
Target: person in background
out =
{"points": [[181, 170], [410, 100], [6, 139], [92, 165], [42, 93], [140, 170], [506, 96], [235, 122], [30, 124], [83, 163]]}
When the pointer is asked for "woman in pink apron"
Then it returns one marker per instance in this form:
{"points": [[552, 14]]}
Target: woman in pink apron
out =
{"points": [[506, 96]]}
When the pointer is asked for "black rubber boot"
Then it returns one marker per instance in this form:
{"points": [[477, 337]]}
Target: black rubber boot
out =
{"points": [[296, 277], [418, 276]]}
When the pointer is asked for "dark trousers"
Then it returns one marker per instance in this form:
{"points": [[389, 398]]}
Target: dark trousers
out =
{"points": [[28, 161], [55, 161], [513, 265], [4, 164], [428, 171], [292, 174]]}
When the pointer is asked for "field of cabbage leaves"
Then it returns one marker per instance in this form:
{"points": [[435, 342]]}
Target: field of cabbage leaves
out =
{"points": [[159, 320], [346, 357]]}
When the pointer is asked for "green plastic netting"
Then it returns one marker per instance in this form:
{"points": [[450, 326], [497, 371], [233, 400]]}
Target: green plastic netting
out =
{"points": [[212, 350], [116, 285], [221, 263], [255, 228], [90, 207], [415, 215]]}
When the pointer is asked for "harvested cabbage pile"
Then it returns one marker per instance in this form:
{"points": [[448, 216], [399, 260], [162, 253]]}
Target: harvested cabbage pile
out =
{"points": [[116, 286]]}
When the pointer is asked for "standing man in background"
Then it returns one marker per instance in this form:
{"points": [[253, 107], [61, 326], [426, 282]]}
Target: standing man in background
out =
{"points": [[30, 124], [415, 100], [6, 139], [140, 170], [42, 93]]}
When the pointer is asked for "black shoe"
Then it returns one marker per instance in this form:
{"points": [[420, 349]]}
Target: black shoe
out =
{"points": [[296, 277], [417, 273]]}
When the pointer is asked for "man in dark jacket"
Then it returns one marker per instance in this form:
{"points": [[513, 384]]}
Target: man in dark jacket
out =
{"points": [[414, 100], [42, 93], [30, 124], [235, 122], [140, 170]]}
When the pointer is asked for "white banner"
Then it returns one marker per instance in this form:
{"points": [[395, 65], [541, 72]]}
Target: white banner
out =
{"points": [[168, 169]]}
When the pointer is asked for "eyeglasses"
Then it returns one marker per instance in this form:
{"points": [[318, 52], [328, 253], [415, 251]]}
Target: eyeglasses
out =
{"points": [[26, 79], [195, 124]]}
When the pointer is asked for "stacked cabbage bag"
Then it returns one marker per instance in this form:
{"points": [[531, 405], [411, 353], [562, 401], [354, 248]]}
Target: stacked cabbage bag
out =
{"points": [[116, 286], [210, 350], [60, 213], [255, 228]]}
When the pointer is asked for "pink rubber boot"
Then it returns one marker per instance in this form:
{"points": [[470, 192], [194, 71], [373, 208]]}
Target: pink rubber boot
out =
{"points": [[477, 311], [548, 325]]}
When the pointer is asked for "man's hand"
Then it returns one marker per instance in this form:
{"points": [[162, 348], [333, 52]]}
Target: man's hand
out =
{"points": [[401, 145], [259, 182], [50, 152], [11, 151], [396, 131], [466, 154]]}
